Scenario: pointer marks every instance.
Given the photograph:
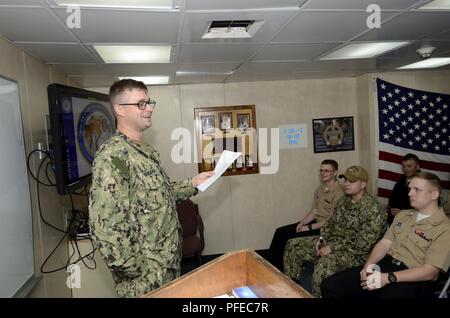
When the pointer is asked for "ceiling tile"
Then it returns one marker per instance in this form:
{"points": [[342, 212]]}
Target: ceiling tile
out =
{"points": [[195, 24], [93, 81], [239, 4], [370, 64], [445, 35], [198, 79], [259, 68], [217, 52], [360, 4], [256, 71], [58, 53], [33, 25], [321, 26], [410, 26], [20, 2], [80, 69], [303, 51], [116, 69], [207, 67], [141, 69], [291, 76], [125, 26]]}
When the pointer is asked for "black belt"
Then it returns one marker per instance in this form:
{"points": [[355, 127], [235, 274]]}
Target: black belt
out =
{"points": [[395, 261]]}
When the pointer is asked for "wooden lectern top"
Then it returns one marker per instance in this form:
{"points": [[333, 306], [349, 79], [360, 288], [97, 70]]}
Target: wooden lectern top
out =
{"points": [[234, 269]]}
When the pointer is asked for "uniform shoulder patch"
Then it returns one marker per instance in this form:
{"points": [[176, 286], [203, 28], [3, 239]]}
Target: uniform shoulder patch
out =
{"points": [[120, 165]]}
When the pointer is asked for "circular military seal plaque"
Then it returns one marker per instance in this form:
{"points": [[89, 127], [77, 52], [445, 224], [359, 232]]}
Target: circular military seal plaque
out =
{"points": [[95, 126]]}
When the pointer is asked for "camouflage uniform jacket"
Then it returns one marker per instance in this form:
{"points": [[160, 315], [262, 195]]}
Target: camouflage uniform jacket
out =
{"points": [[133, 215], [355, 228]]}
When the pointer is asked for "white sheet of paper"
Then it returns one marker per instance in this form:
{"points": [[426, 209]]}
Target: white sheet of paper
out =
{"points": [[225, 160]]}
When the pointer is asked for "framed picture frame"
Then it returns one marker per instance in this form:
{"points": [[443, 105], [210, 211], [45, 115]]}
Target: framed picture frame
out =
{"points": [[230, 128], [333, 134], [208, 124], [243, 121], [225, 122]]}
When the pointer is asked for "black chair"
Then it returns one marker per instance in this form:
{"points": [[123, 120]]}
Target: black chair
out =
{"points": [[192, 224]]}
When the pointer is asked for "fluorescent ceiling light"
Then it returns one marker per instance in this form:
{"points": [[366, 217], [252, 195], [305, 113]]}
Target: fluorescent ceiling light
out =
{"points": [[437, 5], [154, 4], [149, 80], [363, 50], [428, 63], [133, 53], [186, 73]]}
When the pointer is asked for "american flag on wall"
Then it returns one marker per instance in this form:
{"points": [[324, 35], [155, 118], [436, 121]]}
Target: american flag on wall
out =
{"points": [[411, 121]]}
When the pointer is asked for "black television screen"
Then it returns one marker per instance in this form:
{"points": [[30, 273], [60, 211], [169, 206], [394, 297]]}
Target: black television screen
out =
{"points": [[80, 121]]}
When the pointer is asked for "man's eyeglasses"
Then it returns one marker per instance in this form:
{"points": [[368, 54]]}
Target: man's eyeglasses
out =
{"points": [[325, 171], [142, 104]]}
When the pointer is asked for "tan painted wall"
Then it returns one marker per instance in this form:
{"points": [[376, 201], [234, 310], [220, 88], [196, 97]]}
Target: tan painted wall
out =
{"points": [[33, 77]]}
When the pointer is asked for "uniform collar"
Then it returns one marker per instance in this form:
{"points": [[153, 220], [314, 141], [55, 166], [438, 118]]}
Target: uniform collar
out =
{"points": [[326, 189], [435, 219], [127, 139], [363, 198], [144, 148]]}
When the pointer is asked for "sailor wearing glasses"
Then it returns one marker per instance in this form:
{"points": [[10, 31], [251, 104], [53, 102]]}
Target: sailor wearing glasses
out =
{"points": [[132, 207]]}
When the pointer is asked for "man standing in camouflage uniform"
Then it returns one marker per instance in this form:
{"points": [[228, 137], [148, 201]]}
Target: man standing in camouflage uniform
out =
{"points": [[356, 225], [132, 203]]}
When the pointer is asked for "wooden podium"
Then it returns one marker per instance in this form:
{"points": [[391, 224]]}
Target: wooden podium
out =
{"points": [[234, 269]]}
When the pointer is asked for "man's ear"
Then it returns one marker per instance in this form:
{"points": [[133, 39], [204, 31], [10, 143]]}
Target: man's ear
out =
{"points": [[435, 194], [118, 110], [363, 184]]}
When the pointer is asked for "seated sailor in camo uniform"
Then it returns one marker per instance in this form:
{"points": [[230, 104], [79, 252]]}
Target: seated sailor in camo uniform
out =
{"points": [[357, 223]]}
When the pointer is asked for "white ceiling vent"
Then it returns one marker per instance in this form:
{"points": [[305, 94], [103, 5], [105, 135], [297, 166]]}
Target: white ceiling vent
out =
{"points": [[232, 29]]}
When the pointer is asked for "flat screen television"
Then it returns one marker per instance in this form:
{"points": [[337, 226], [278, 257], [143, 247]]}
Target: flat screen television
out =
{"points": [[80, 121]]}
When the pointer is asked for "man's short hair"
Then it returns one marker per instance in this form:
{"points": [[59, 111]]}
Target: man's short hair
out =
{"points": [[124, 85], [331, 162], [431, 178], [410, 156]]}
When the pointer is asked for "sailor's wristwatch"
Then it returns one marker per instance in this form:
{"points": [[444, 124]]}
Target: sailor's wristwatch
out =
{"points": [[392, 278]]}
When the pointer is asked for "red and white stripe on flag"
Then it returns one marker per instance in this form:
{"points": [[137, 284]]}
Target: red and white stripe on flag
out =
{"points": [[390, 167], [411, 121]]}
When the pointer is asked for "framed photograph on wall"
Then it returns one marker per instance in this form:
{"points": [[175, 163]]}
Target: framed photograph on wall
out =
{"points": [[230, 128], [208, 124], [243, 121], [225, 121], [333, 134]]}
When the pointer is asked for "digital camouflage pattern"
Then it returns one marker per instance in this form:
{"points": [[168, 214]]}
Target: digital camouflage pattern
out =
{"points": [[351, 231], [133, 218]]}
